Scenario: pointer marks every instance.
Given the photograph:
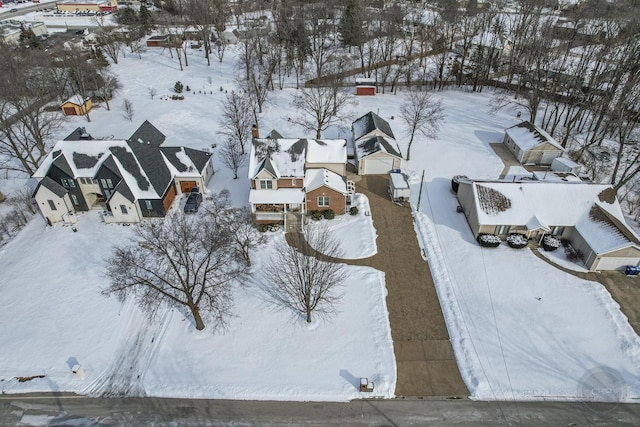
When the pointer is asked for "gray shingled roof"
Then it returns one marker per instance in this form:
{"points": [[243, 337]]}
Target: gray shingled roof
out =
{"points": [[370, 122], [124, 189], [84, 161], [62, 164], [153, 164], [374, 144], [110, 164], [79, 134], [198, 157], [129, 163], [51, 185], [147, 134], [170, 154]]}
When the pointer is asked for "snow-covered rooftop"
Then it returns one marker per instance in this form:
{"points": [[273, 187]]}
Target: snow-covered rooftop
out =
{"points": [[552, 203], [317, 178], [526, 135], [75, 99], [375, 145], [282, 195], [287, 157]]}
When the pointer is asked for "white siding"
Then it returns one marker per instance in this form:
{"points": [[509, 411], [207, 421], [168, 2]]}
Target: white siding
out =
{"points": [[133, 214], [63, 205]]}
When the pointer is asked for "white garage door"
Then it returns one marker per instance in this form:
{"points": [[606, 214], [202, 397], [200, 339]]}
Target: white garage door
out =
{"points": [[615, 263], [377, 165]]}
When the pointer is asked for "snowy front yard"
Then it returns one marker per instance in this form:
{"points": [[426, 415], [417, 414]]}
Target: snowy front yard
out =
{"points": [[54, 317]]}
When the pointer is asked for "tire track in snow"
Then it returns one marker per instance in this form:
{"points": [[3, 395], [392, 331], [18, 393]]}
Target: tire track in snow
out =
{"points": [[125, 376]]}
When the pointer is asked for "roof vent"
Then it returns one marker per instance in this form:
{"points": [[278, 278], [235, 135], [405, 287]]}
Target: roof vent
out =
{"points": [[84, 134]]}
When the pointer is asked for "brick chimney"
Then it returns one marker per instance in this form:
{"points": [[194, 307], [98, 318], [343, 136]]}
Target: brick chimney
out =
{"points": [[255, 133]]}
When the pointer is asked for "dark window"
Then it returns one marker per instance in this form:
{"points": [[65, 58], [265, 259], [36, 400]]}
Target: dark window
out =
{"points": [[266, 184], [74, 200], [148, 205], [52, 205], [123, 209]]}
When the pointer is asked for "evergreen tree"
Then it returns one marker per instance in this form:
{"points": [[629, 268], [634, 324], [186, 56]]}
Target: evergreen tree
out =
{"points": [[350, 28], [98, 55], [146, 19], [28, 39]]}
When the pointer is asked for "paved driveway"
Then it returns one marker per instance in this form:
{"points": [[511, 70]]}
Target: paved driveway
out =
{"points": [[424, 356]]}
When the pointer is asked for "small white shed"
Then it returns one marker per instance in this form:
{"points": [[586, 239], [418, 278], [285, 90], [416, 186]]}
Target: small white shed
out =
{"points": [[565, 164], [398, 187]]}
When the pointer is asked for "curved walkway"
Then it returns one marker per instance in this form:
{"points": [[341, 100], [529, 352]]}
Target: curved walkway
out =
{"points": [[580, 274], [424, 356]]}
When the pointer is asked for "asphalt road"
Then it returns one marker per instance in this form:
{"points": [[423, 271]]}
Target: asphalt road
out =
{"points": [[71, 410]]}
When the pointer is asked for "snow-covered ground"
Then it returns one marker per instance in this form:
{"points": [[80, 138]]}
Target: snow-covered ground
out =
{"points": [[520, 328]]}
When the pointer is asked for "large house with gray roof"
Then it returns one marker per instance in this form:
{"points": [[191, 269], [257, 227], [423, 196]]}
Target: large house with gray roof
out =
{"points": [[290, 177], [588, 215], [128, 179], [374, 145]]}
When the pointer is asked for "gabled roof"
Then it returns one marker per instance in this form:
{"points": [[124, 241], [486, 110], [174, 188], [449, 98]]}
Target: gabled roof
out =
{"points": [[76, 100], [62, 164], [125, 190], [79, 134], [603, 232], [186, 161], [52, 186], [147, 134], [274, 134], [375, 145], [370, 122], [321, 177], [527, 136], [153, 163]]}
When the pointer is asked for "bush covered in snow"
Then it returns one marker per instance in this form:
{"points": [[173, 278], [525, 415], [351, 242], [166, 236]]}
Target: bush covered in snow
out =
{"points": [[353, 210], [489, 240], [316, 215], [550, 243], [328, 214], [517, 241]]}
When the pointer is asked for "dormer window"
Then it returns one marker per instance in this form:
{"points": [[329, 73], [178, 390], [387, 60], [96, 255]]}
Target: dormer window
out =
{"points": [[68, 183], [266, 184]]}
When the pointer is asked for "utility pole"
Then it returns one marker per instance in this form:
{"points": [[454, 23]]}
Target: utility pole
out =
{"points": [[420, 193]]}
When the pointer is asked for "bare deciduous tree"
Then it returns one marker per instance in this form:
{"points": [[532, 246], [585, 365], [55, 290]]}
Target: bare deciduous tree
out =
{"points": [[232, 156], [245, 234], [236, 119], [28, 82], [423, 114], [302, 283], [152, 91], [127, 107], [319, 107], [188, 261]]}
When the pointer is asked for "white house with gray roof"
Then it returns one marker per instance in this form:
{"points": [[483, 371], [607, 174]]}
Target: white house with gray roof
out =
{"points": [[374, 145], [588, 215], [290, 177], [128, 179]]}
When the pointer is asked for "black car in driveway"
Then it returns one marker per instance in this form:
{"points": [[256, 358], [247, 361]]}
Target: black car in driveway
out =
{"points": [[193, 201]]}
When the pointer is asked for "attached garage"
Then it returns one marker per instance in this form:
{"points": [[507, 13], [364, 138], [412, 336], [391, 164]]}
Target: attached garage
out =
{"points": [[186, 186], [614, 263]]}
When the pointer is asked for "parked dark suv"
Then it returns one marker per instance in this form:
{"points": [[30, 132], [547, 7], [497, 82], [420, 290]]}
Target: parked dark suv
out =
{"points": [[194, 200]]}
